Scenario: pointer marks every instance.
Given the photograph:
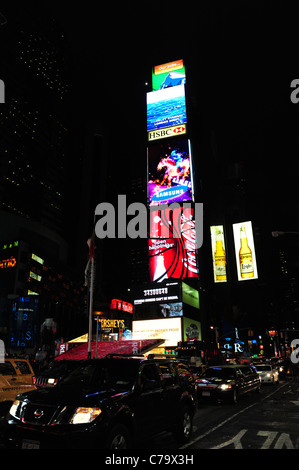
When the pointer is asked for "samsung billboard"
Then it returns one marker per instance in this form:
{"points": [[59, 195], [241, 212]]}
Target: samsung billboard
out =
{"points": [[170, 172]]}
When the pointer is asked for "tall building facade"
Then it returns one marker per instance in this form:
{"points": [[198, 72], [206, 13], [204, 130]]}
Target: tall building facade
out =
{"points": [[36, 183], [34, 117]]}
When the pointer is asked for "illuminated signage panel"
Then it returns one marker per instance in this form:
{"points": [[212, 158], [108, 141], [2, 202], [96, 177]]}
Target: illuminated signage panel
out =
{"points": [[117, 304], [166, 108], [167, 132], [245, 251], [192, 330], [168, 75], [170, 172], [23, 326], [218, 253], [190, 295], [169, 329], [171, 244]]}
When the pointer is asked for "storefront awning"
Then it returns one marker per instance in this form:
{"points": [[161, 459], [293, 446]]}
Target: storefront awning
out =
{"points": [[111, 347]]}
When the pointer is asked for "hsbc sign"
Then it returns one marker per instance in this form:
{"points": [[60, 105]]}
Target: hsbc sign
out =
{"points": [[167, 132]]}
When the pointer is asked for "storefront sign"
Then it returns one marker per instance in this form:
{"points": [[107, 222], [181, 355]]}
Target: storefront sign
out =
{"points": [[117, 304], [8, 263], [111, 323]]}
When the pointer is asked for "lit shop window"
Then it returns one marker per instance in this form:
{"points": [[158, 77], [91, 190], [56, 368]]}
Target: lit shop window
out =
{"points": [[35, 276], [37, 258]]}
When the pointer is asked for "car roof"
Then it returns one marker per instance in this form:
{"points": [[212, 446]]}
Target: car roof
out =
{"points": [[228, 366]]}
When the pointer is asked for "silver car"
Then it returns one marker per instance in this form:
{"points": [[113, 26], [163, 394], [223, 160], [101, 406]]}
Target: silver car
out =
{"points": [[267, 373]]}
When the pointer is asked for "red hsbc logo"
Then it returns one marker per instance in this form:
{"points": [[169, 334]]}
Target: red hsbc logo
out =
{"points": [[178, 130]]}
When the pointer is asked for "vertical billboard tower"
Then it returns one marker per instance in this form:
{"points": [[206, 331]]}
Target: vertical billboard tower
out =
{"points": [[171, 244], [169, 308]]}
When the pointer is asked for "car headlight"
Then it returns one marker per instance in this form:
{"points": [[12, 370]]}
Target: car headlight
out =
{"points": [[52, 381], [14, 409], [281, 369], [225, 386], [268, 375], [84, 415]]}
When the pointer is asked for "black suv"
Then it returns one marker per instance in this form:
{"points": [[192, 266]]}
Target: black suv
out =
{"points": [[106, 403]]}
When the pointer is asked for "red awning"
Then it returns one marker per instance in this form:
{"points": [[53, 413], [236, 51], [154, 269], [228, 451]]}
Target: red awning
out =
{"points": [[111, 347]]}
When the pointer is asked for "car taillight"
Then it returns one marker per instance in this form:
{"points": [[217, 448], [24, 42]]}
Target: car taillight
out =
{"points": [[33, 380]]}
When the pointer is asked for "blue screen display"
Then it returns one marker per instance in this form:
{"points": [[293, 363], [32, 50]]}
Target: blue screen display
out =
{"points": [[166, 108]]}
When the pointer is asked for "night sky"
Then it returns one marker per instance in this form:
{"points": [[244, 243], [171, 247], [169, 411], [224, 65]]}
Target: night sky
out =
{"points": [[240, 60]]}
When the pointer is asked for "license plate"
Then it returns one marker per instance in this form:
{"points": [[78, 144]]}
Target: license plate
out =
{"points": [[28, 444], [205, 394]]}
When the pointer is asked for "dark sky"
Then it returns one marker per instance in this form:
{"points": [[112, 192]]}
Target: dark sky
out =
{"points": [[241, 58]]}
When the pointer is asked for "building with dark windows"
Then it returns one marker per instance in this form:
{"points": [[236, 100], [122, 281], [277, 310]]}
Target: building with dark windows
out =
{"points": [[33, 121], [35, 175]]}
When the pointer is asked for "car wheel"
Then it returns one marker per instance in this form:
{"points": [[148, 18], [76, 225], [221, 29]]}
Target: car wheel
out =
{"points": [[184, 428], [119, 437]]}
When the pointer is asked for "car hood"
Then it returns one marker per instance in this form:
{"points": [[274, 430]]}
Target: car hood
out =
{"points": [[66, 395]]}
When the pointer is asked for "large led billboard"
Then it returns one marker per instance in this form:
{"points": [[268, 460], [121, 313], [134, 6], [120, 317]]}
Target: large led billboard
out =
{"points": [[245, 251], [170, 172], [168, 75], [169, 329], [218, 253], [166, 107], [171, 245]]}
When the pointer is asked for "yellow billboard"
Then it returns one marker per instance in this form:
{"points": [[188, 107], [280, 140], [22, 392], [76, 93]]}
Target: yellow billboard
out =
{"points": [[245, 251], [218, 253]]}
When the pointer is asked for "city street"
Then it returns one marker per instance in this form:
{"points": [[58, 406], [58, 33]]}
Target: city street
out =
{"points": [[268, 420]]}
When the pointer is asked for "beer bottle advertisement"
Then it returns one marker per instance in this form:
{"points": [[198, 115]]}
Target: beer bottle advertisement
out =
{"points": [[218, 253], [245, 251]]}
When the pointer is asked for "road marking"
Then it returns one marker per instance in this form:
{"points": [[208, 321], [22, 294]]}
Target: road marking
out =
{"points": [[235, 440], [227, 420], [284, 439], [270, 438]]}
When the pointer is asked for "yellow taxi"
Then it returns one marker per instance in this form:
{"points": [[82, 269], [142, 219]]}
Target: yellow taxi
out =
{"points": [[16, 376]]}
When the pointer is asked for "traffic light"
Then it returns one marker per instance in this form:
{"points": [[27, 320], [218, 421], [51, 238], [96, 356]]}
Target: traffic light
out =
{"points": [[261, 346]]}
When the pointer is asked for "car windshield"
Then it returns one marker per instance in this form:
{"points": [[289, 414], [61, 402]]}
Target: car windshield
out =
{"points": [[104, 373], [220, 373], [262, 367]]}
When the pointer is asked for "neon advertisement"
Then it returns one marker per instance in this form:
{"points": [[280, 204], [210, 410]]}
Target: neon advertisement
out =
{"points": [[169, 173], [169, 74], [166, 108], [172, 252]]}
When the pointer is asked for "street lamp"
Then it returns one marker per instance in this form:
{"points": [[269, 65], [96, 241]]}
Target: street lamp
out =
{"points": [[278, 233], [97, 315]]}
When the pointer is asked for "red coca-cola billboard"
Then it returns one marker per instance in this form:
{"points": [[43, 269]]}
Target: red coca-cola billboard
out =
{"points": [[171, 245]]}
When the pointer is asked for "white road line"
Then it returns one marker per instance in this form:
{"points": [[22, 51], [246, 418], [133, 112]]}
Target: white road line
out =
{"points": [[228, 419]]}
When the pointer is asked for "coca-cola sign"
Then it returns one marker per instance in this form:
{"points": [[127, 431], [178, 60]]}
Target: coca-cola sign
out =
{"points": [[172, 244]]}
